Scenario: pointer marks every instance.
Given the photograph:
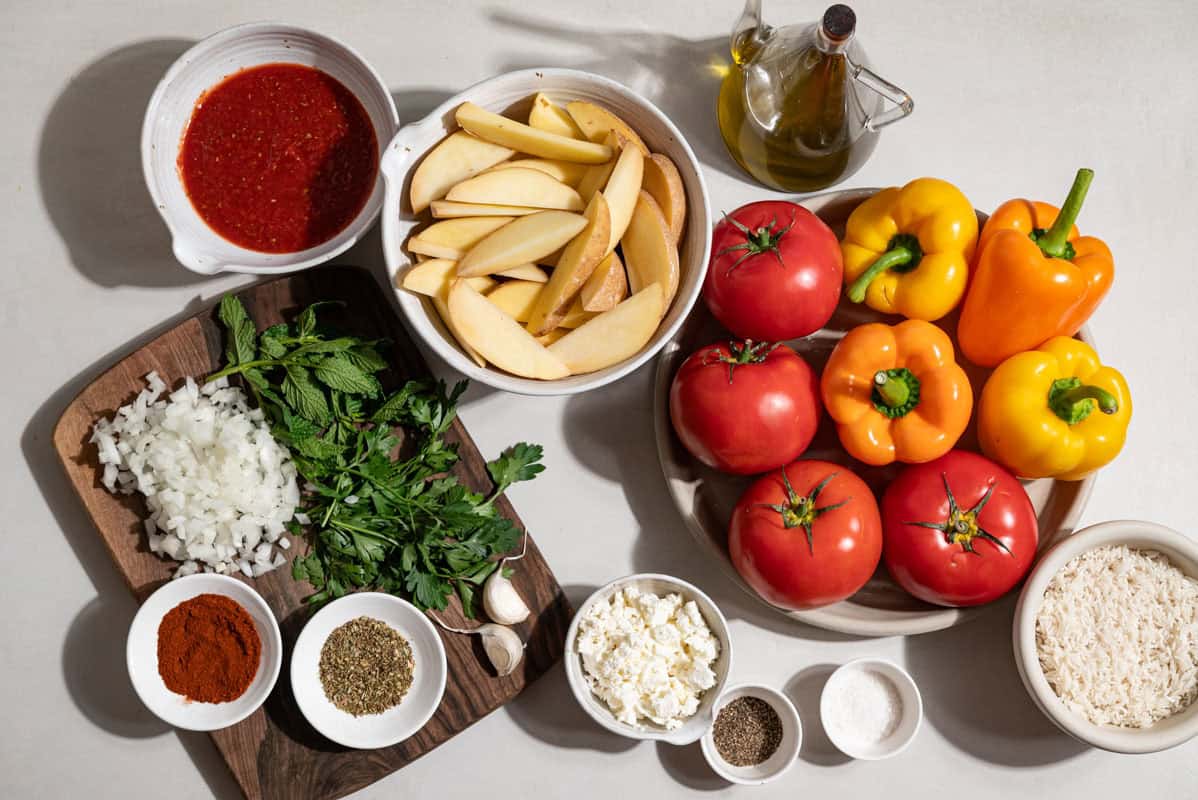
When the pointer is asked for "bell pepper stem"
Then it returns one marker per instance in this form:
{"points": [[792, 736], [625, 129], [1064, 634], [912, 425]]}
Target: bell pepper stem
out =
{"points": [[894, 257], [1069, 398], [1054, 241], [894, 392]]}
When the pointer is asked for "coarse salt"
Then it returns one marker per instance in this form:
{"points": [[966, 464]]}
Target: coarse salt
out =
{"points": [[865, 707]]}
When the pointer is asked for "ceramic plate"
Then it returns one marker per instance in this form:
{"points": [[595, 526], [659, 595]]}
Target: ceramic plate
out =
{"points": [[705, 498]]}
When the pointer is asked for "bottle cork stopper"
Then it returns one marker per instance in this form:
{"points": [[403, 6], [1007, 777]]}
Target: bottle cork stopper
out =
{"points": [[839, 22]]}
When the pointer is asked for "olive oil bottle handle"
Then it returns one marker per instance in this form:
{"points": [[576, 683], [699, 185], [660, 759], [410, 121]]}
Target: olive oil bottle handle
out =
{"points": [[902, 104]]}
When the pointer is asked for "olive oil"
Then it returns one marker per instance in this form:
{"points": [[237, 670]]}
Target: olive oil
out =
{"points": [[789, 109]]}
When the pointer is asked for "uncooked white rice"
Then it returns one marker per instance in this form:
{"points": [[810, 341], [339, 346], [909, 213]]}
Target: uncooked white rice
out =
{"points": [[218, 486], [1117, 636]]}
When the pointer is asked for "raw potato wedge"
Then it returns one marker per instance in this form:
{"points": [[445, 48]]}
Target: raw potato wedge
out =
{"points": [[524, 272], [456, 158], [432, 278], [564, 171], [576, 316], [649, 251], [547, 115], [500, 339], [516, 187], [578, 261], [521, 241], [606, 287], [596, 177], [516, 298], [448, 209], [596, 121], [453, 237], [551, 337], [664, 184], [441, 303], [622, 190], [614, 335], [516, 135]]}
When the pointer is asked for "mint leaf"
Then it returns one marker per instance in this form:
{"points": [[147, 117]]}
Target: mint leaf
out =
{"points": [[366, 357], [305, 323], [270, 343], [240, 343], [305, 395], [338, 372]]}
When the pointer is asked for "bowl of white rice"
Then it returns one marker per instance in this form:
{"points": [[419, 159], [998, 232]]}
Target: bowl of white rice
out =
{"points": [[1106, 636]]}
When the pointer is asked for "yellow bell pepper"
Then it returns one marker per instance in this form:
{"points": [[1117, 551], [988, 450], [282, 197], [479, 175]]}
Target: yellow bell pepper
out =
{"points": [[1054, 412], [907, 251]]}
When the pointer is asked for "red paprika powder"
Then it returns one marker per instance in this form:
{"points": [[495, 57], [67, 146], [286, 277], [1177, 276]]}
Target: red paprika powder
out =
{"points": [[208, 649]]}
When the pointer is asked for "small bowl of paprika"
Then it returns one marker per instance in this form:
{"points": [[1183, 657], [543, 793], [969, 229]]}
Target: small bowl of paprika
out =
{"points": [[204, 652]]}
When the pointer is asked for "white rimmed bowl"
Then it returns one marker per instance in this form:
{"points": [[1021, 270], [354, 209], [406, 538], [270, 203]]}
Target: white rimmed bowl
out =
{"points": [[512, 93], [197, 246], [908, 724], [141, 654], [370, 731], [1183, 552], [693, 728], [782, 759]]}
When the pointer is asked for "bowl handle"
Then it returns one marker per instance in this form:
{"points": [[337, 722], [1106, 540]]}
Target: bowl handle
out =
{"points": [[196, 261]]}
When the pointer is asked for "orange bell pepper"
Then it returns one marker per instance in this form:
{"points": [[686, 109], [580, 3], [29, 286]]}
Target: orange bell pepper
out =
{"points": [[1035, 277], [896, 393]]}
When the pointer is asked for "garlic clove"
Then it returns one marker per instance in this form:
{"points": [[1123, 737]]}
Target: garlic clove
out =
{"points": [[501, 600], [503, 647]]}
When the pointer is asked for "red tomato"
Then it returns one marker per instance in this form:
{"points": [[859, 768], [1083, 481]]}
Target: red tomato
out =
{"points": [[775, 272], [959, 531], [743, 407], [806, 536]]}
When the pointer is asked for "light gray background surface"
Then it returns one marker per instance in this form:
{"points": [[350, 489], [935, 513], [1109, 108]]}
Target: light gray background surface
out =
{"points": [[1010, 98]]}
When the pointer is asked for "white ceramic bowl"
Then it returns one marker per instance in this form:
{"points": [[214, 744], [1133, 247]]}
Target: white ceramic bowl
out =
{"points": [[511, 93], [782, 759], [196, 245], [141, 654], [908, 724], [395, 724], [693, 728], [1183, 552]]}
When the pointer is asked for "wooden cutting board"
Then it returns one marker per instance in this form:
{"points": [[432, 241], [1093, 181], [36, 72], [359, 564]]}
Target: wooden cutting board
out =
{"points": [[275, 753]]}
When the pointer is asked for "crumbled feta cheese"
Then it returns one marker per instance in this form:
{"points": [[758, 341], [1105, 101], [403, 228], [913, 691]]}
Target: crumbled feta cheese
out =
{"points": [[647, 657]]}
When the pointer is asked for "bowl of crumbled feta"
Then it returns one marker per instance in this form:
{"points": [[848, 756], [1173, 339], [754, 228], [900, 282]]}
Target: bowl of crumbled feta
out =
{"points": [[647, 656], [1106, 636]]}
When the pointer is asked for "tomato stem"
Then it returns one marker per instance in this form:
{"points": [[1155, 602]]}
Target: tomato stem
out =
{"points": [[800, 511], [762, 240], [962, 525]]}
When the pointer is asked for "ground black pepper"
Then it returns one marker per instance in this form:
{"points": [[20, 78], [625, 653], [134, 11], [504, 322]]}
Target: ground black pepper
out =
{"points": [[365, 667], [747, 731]]}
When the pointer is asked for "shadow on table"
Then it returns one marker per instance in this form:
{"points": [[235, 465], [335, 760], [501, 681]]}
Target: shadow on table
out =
{"points": [[973, 696], [548, 711], [804, 690], [93, 652], [680, 76], [611, 433], [90, 175]]}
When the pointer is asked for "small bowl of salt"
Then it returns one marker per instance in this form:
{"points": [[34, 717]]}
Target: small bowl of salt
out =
{"points": [[871, 709]]}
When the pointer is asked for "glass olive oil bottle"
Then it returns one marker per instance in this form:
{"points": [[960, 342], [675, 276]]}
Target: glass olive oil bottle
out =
{"points": [[799, 111]]}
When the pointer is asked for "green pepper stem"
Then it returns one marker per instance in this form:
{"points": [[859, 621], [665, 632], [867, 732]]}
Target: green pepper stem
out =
{"points": [[1054, 241], [895, 257], [893, 391], [1072, 404]]}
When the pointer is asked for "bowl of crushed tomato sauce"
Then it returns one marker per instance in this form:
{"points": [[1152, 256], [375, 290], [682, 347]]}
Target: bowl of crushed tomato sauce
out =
{"points": [[261, 149]]}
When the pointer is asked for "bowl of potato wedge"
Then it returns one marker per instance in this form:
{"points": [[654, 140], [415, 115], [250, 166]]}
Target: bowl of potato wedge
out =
{"points": [[546, 231]]}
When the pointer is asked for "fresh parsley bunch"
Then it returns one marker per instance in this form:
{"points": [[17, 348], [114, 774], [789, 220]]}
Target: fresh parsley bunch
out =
{"points": [[383, 512]]}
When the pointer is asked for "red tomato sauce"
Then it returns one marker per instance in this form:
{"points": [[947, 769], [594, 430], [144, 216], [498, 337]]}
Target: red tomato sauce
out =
{"points": [[278, 158]]}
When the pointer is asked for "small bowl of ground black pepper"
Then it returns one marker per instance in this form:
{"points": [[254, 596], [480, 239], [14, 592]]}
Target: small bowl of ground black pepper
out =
{"points": [[368, 670], [755, 735], [204, 652]]}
